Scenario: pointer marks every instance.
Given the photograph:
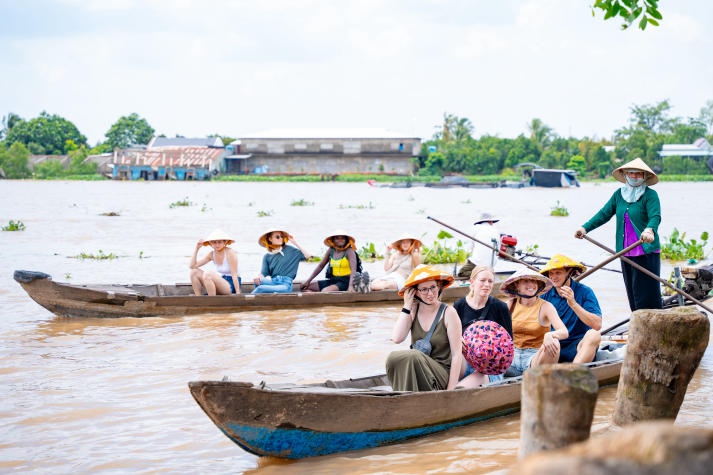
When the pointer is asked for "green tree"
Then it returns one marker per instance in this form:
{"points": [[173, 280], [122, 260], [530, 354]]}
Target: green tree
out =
{"points": [[8, 122], [129, 130], [706, 117], [645, 11], [14, 161], [539, 133], [49, 169], [687, 133], [45, 134]]}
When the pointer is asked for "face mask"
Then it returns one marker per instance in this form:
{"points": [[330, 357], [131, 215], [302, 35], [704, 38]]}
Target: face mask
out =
{"points": [[634, 181]]}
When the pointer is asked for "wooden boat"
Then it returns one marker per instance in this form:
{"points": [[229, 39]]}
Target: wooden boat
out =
{"points": [[298, 421], [140, 300]]}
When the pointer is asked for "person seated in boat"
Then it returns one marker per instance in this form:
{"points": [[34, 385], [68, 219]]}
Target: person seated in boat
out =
{"points": [[402, 256], [487, 232], [221, 281], [532, 321], [279, 265], [341, 262], [578, 308], [435, 358], [477, 306]]}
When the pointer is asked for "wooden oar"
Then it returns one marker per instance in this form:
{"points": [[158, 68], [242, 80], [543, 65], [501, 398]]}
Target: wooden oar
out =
{"points": [[649, 273], [544, 258], [501, 254], [615, 326], [608, 260]]}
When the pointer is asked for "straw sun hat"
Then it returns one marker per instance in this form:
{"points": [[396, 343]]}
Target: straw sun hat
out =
{"points": [[509, 285], [263, 241], [329, 240], [218, 235], [425, 273], [487, 218], [636, 164], [397, 244], [560, 261]]}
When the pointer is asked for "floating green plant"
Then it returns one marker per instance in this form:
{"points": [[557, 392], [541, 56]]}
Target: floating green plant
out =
{"points": [[559, 210], [264, 214], [184, 202], [368, 252], [14, 226], [100, 256], [302, 202], [369, 206], [677, 248], [441, 253]]}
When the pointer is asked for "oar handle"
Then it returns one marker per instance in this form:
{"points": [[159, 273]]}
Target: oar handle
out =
{"points": [[608, 260], [502, 254], [649, 273]]}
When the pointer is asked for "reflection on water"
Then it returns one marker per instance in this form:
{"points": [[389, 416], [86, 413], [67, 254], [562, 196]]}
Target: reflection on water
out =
{"points": [[88, 395]]}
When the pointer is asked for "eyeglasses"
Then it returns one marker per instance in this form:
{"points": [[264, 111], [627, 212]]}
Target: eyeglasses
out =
{"points": [[428, 290]]}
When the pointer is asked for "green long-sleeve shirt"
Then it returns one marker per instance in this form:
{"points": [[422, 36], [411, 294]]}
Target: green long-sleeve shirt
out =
{"points": [[644, 213]]}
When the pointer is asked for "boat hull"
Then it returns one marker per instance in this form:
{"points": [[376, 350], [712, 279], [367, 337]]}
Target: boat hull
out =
{"points": [[112, 301], [313, 420]]}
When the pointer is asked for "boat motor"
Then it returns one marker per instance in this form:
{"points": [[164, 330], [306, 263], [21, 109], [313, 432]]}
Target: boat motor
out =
{"points": [[507, 245]]}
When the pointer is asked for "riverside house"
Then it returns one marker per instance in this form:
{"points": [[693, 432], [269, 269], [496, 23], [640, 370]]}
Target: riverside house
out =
{"points": [[170, 159], [323, 152]]}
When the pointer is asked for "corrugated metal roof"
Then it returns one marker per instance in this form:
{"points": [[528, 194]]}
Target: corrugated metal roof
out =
{"points": [[327, 133], [158, 142], [172, 157]]}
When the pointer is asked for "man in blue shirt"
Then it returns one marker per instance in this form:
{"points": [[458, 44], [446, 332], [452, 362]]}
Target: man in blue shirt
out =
{"points": [[578, 308]]}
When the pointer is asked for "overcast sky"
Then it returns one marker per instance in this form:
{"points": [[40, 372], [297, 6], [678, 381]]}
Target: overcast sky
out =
{"points": [[231, 67]]}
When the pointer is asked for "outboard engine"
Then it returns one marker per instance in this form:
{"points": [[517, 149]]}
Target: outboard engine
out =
{"points": [[698, 281], [507, 245]]}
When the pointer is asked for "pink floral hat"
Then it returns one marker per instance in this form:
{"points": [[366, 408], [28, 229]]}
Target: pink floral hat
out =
{"points": [[488, 347]]}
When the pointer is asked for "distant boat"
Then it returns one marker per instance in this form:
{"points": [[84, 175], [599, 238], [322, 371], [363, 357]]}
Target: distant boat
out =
{"points": [[548, 177]]}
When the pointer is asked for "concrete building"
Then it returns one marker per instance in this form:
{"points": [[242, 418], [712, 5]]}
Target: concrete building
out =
{"points": [[698, 150], [323, 151]]}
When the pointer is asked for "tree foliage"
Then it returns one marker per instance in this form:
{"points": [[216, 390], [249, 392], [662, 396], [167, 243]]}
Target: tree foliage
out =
{"points": [[14, 160], [46, 134], [129, 130], [643, 12]]}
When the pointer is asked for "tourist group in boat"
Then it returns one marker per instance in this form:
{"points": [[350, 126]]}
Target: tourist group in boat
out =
{"points": [[549, 317]]}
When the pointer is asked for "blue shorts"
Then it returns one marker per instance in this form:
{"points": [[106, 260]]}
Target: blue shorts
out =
{"points": [[229, 279], [493, 378], [521, 361], [568, 351]]}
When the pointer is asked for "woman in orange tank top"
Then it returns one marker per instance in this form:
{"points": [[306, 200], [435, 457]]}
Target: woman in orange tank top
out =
{"points": [[536, 327]]}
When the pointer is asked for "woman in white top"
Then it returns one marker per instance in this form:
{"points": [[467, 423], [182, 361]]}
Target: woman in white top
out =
{"points": [[223, 280], [399, 264]]}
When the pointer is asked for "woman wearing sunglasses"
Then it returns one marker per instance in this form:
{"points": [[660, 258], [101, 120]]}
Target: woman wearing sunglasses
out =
{"points": [[434, 360], [279, 265]]}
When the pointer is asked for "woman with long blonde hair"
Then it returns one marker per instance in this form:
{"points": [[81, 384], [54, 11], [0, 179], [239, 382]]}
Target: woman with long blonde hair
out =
{"points": [[402, 256], [479, 305]]}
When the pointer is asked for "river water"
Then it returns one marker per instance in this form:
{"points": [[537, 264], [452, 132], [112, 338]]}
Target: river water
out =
{"points": [[111, 396]]}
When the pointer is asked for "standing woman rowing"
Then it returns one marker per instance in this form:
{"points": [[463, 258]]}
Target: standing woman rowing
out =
{"points": [[638, 215]]}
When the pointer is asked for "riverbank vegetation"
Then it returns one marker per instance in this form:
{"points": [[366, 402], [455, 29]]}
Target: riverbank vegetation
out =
{"points": [[452, 150]]}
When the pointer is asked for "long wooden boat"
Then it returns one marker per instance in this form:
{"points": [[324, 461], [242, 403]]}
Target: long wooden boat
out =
{"points": [[298, 421], [141, 300]]}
